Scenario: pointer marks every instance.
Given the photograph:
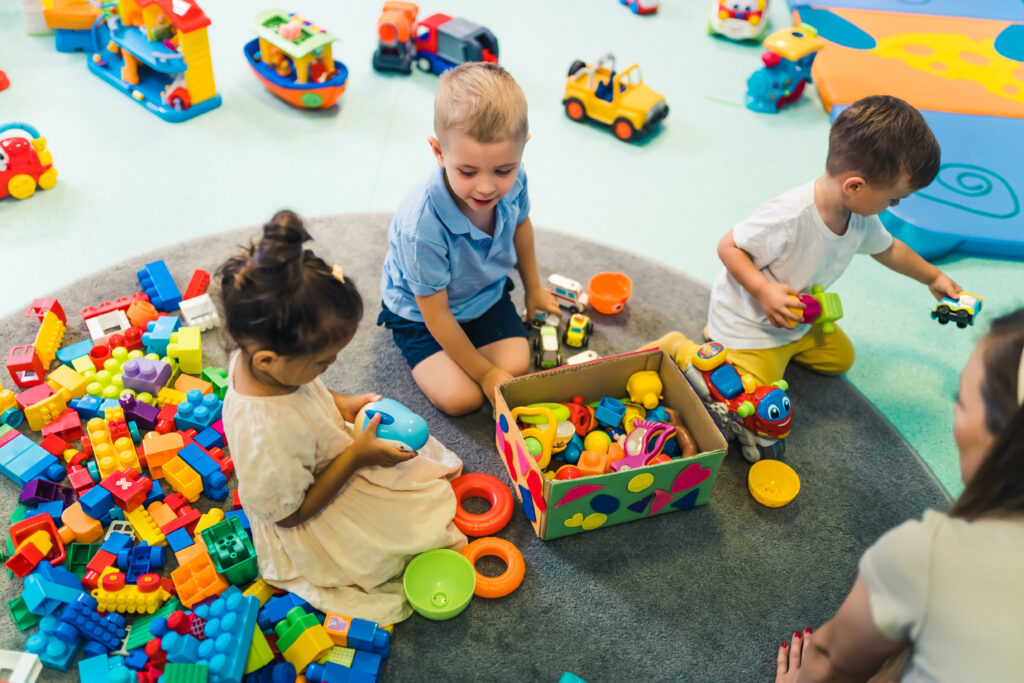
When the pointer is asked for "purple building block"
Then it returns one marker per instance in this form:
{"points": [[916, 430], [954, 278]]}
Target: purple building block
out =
{"points": [[142, 414], [145, 375], [39, 491]]}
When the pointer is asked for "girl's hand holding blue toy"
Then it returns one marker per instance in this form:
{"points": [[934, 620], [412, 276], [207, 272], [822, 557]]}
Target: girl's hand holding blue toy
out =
{"points": [[369, 451]]}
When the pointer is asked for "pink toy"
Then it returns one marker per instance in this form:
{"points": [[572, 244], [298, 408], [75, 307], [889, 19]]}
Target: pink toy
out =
{"points": [[291, 30], [637, 444]]}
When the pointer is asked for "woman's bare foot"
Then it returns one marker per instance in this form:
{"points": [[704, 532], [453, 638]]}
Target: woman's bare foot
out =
{"points": [[791, 656]]}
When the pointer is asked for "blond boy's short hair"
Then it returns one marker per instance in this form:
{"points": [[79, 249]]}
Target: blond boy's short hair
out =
{"points": [[483, 101]]}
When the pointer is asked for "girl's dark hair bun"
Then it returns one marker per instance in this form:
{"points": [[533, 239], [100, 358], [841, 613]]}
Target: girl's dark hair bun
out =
{"points": [[281, 246]]}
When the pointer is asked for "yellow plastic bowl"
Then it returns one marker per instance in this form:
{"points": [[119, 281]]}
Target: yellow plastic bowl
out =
{"points": [[773, 483]]}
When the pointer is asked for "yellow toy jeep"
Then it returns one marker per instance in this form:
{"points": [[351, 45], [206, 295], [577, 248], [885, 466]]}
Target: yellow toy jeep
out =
{"points": [[621, 100]]}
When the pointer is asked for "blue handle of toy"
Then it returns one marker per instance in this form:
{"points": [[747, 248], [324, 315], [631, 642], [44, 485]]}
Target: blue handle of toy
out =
{"points": [[385, 418], [20, 125]]}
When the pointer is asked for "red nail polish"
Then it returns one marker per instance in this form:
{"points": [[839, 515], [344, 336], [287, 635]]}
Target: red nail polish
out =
{"points": [[785, 645], [797, 634], [808, 630]]}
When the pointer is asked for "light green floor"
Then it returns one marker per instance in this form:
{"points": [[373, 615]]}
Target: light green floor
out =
{"points": [[130, 182]]}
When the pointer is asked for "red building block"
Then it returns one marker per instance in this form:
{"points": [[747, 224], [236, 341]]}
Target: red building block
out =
{"points": [[128, 488], [80, 480], [25, 367], [120, 304], [54, 444], [68, 426], [21, 531], [39, 307], [131, 339], [198, 284]]}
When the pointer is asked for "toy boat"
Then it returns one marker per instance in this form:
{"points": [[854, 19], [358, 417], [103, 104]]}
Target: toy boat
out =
{"points": [[292, 58]]}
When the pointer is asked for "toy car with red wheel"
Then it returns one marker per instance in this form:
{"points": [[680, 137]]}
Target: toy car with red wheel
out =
{"points": [[759, 417], [620, 100], [25, 163]]}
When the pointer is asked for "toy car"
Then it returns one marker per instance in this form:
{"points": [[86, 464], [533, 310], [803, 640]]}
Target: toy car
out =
{"points": [[569, 293], [641, 6], [546, 346], [738, 19], [542, 318], [577, 332], [620, 100], [758, 417], [786, 69], [25, 163], [962, 310]]}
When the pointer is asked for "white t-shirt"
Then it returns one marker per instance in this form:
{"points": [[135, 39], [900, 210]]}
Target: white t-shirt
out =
{"points": [[955, 589], [789, 242]]}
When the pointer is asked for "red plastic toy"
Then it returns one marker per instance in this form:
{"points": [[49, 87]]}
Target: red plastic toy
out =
{"points": [[25, 163]]}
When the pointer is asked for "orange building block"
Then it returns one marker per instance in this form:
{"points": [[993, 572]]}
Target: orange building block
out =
{"points": [[186, 382], [197, 580], [158, 449], [78, 526], [592, 463]]}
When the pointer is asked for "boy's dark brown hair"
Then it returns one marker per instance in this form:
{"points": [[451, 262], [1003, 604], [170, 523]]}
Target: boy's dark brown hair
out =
{"points": [[283, 298], [882, 138]]}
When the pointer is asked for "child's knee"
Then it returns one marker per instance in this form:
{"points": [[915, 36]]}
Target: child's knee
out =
{"points": [[457, 400]]}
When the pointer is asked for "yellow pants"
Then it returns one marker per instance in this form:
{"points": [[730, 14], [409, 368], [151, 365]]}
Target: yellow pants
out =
{"points": [[827, 354]]}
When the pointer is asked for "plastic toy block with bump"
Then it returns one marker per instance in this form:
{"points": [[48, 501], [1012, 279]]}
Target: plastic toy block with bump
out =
{"points": [[159, 448], [142, 414], [112, 450], [121, 304], [198, 285], [199, 411], [67, 379], [200, 312], [145, 528], [142, 559], [215, 484], [128, 488], [158, 333], [186, 346], [102, 327], [49, 338], [40, 307], [301, 638], [42, 491], [231, 551], [145, 375], [330, 672], [47, 410], [197, 580], [115, 594], [158, 284], [359, 634], [25, 367], [230, 623], [53, 652], [80, 619], [22, 460], [183, 478]]}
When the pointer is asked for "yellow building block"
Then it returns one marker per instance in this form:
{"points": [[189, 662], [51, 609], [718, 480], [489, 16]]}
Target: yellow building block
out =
{"points": [[48, 339], [183, 478], [83, 365], [195, 46], [308, 647], [7, 400], [66, 378], [111, 457], [260, 653], [169, 395], [46, 411], [114, 594], [261, 590], [208, 519], [145, 528], [186, 345]]}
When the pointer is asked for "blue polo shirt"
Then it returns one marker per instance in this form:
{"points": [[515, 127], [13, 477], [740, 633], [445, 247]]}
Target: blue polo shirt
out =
{"points": [[432, 246]]}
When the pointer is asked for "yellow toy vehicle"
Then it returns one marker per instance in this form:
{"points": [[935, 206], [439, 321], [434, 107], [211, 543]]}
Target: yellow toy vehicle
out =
{"points": [[621, 100], [577, 332]]}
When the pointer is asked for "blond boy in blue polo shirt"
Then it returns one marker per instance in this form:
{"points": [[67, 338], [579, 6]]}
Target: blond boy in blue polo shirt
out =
{"points": [[453, 241]]}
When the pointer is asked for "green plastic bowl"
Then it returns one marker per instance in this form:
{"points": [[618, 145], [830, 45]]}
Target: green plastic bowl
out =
{"points": [[439, 583]]}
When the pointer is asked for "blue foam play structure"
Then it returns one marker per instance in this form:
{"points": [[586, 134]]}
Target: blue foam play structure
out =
{"points": [[974, 205], [1008, 10]]}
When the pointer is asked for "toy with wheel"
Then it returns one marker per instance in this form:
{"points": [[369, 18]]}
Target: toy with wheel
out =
{"points": [[25, 162], [962, 310]]}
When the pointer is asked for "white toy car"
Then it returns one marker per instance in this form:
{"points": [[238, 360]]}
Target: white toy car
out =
{"points": [[569, 293]]}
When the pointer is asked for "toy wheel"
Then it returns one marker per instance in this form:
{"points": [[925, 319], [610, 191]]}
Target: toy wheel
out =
{"points": [[48, 179], [623, 130], [574, 110], [423, 64], [536, 343], [21, 186], [536, 360], [773, 452], [558, 359], [750, 453]]}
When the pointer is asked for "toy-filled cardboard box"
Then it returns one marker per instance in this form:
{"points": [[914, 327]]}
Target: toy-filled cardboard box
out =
{"points": [[563, 508]]}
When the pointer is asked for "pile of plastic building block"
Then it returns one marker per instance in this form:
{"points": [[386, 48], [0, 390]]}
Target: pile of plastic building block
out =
{"points": [[112, 440]]}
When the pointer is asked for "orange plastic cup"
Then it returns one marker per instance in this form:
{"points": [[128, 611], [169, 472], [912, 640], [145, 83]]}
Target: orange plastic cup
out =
{"points": [[609, 292]]}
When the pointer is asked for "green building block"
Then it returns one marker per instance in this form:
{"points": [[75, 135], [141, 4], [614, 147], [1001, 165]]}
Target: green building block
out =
{"points": [[294, 625], [140, 635], [231, 551], [8, 553], [78, 556], [185, 673], [19, 513], [23, 619], [218, 377]]}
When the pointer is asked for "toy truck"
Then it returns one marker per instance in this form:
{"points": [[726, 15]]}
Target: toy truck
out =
{"points": [[396, 47], [25, 163], [620, 100], [442, 43], [569, 293]]}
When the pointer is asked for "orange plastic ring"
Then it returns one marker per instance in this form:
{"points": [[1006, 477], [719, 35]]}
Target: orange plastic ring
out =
{"points": [[490, 488], [496, 586]]}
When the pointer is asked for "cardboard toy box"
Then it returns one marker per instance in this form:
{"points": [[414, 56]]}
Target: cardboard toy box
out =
{"points": [[563, 508]]}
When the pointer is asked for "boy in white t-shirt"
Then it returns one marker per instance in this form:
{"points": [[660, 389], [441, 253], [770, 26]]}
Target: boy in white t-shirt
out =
{"points": [[880, 151]]}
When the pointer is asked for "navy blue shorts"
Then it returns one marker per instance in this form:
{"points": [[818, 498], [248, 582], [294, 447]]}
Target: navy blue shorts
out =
{"points": [[500, 321]]}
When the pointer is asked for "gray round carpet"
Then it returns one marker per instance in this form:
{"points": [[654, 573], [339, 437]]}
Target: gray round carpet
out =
{"points": [[706, 594]]}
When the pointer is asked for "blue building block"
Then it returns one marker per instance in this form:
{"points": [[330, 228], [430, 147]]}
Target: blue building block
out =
{"points": [[215, 484], [230, 623], [105, 669], [179, 539], [209, 438], [198, 411], [136, 659], [158, 333], [366, 635], [368, 663], [87, 407], [96, 502], [81, 620], [280, 672], [117, 542], [610, 412], [54, 509], [58, 575], [142, 559], [157, 282], [22, 460], [243, 519], [74, 351], [277, 609], [53, 652], [156, 493], [329, 672], [44, 597]]}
